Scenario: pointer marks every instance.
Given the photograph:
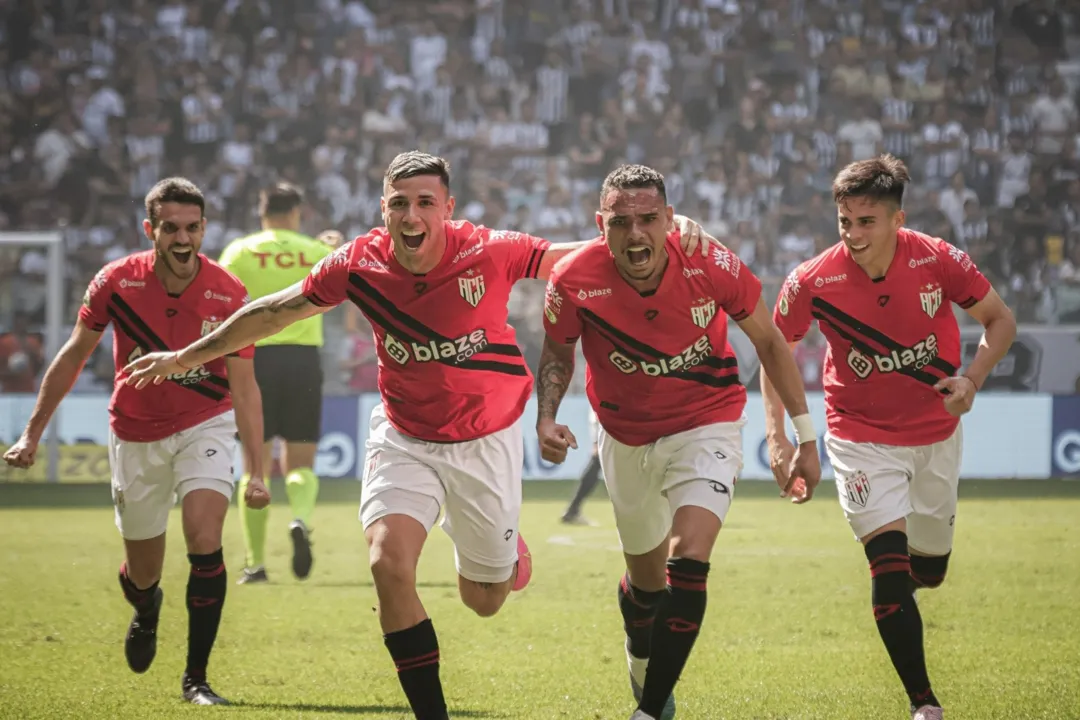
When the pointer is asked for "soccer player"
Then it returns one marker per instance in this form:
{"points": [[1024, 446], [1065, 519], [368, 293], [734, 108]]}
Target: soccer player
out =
{"points": [[175, 442], [590, 478], [289, 371], [453, 383], [882, 297], [664, 383]]}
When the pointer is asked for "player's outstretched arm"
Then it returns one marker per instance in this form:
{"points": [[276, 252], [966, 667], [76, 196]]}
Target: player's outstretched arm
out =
{"points": [[781, 373], [59, 378], [999, 331], [258, 319], [553, 378], [247, 403]]}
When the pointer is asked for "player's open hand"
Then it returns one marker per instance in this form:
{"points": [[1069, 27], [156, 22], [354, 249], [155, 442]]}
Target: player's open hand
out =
{"points": [[960, 394], [22, 454], [781, 454], [692, 236], [804, 474], [257, 495], [152, 368], [555, 441]]}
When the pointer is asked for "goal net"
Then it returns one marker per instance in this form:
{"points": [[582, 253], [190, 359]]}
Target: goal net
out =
{"points": [[15, 409]]}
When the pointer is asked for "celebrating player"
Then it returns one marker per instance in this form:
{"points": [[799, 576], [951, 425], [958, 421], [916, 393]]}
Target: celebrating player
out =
{"points": [[882, 298], [453, 383], [664, 384], [288, 369], [176, 442]]}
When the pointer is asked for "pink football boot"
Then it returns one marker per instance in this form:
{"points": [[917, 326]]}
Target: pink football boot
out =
{"points": [[524, 565]]}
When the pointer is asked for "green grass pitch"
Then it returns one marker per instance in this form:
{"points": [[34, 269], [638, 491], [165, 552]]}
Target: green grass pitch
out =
{"points": [[789, 633]]}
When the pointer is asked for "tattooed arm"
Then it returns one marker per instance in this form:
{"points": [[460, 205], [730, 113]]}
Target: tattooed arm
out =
{"points": [[552, 381], [257, 320], [554, 376]]}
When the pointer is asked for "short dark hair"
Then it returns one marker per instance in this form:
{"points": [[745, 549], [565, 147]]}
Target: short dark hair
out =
{"points": [[413, 163], [631, 177], [175, 190], [280, 199], [880, 178]]}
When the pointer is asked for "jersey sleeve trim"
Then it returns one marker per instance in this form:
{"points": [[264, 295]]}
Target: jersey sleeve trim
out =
{"points": [[532, 269], [89, 323]]}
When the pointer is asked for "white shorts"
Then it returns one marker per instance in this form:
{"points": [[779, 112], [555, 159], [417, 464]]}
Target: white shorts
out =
{"points": [[148, 478], [879, 484], [594, 427], [477, 482], [648, 483]]}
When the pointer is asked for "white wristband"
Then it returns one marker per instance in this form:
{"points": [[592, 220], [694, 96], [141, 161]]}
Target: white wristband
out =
{"points": [[804, 429]]}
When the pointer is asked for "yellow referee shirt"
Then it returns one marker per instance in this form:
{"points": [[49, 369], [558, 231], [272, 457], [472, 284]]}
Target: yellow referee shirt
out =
{"points": [[270, 261]]}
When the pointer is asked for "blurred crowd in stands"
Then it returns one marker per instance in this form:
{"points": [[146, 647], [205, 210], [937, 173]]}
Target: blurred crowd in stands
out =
{"points": [[749, 107]]}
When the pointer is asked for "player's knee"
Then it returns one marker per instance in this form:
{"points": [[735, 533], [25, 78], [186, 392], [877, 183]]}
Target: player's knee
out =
{"points": [[929, 571], [391, 565], [694, 533], [203, 540], [484, 599]]}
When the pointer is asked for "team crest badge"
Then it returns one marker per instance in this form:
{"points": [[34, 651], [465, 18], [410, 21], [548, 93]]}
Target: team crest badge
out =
{"points": [[471, 287], [857, 488], [703, 312], [930, 296], [209, 326]]}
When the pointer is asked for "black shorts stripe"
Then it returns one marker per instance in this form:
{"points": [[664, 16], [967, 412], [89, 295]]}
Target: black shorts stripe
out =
{"points": [[868, 350], [119, 304], [379, 319], [533, 268], [873, 334], [624, 342]]}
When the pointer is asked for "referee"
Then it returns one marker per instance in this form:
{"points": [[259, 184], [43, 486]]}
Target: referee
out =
{"points": [[288, 370]]}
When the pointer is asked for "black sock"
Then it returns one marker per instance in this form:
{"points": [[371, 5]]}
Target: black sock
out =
{"points": [[206, 587], [929, 572], [897, 614], [142, 599], [415, 652], [639, 609], [674, 635], [588, 482]]}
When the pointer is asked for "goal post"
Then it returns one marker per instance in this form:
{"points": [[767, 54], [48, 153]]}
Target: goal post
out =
{"points": [[53, 244]]}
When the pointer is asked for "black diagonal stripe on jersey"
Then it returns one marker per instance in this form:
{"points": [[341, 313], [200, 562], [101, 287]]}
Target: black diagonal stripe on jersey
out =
{"points": [[874, 334], [868, 350], [415, 325], [126, 328], [624, 342], [379, 319], [533, 268], [122, 305], [156, 343]]}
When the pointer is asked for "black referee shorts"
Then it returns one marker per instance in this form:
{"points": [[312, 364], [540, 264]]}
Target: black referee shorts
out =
{"points": [[290, 379]]}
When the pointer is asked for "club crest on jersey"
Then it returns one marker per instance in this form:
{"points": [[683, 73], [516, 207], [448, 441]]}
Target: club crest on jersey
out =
{"points": [[857, 488], [209, 326], [930, 297], [471, 288], [703, 313]]}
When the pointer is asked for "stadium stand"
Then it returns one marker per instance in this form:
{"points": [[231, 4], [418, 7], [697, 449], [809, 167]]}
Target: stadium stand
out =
{"points": [[748, 106]]}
